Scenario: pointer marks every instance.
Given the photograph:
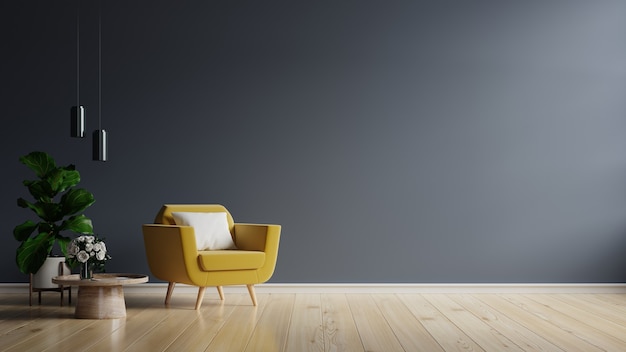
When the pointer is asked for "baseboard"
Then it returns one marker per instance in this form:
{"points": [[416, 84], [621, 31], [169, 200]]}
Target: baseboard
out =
{"points": [[160, 288]]}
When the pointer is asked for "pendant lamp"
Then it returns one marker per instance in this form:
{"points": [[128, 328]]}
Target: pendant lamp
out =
{"points": [[100, 146], [77, 113], [100, 136]]}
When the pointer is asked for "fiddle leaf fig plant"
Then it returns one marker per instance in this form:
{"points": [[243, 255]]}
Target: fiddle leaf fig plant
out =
{"points": [[59, 206]]}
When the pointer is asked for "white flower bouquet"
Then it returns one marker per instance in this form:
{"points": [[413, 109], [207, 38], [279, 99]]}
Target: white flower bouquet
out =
{"points": [[88, 250]]}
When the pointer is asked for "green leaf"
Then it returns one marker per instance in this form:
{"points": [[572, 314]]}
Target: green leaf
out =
{"points": [[76, 200], [33, 252], [49, 212], [40, 162], [79, 224], [40, 190], [54, 179], [47, 227], [69, 178], [23, 231], [61, 179], [63, 242], [22, 203]]}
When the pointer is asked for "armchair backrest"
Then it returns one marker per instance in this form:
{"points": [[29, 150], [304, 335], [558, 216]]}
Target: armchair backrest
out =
{"points": [[165, 214]]}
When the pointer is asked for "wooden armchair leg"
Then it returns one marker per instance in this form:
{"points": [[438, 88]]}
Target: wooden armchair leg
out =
{"points": [[168, 295], [252, 294], [200, 297], [220, 290]]}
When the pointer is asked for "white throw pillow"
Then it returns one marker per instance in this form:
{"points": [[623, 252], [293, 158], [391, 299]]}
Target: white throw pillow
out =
{"points": [[211, 229]]}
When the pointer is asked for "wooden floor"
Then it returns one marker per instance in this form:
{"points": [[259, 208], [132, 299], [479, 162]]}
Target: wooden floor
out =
{"points": [[325, 322]]}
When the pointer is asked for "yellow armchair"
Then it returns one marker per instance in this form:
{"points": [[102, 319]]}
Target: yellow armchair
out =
{"points": [[173, 255]]}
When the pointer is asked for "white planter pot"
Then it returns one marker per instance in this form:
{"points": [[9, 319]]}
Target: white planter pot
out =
{"points": [[50, 269]]}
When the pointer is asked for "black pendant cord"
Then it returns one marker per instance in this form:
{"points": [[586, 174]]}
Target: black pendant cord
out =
{"points": [[77, 122], [78, 55], [100, 142], [100, 65]]}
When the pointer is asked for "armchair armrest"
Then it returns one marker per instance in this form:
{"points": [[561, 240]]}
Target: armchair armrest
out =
{"points": [[177, 244], [260, 237], [256, 237]]}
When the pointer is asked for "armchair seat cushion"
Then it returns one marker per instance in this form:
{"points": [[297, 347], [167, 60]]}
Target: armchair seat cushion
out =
{"points": [[219, 260]]}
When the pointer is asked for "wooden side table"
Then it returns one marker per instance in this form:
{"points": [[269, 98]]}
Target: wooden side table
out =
{"points": [[101, 297]]}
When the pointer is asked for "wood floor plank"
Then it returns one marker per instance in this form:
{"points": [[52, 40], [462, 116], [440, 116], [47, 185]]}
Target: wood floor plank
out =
{"points": [[270, 333], [408, 330], [97, 330], [165, 331], [134, 328], [598, 307], [21, 315], [14, 306], [487, 337], [447, 334], [12, 299], [92, 333], [576, 327], [518, 334], [148, 319], [180, 316], [34, 324], [197, 336], [617, 301], [375, 333], [326, 322], [587, 316], [564, 339], [38, 341], [237, 330], [340, 331], [306, 330]]}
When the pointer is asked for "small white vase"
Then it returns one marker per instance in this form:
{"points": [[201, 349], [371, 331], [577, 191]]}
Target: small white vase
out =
{"points": [[50, 269]]}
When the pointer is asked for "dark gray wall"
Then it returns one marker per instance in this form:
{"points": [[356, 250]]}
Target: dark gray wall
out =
{"points": [[434, 142]]}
